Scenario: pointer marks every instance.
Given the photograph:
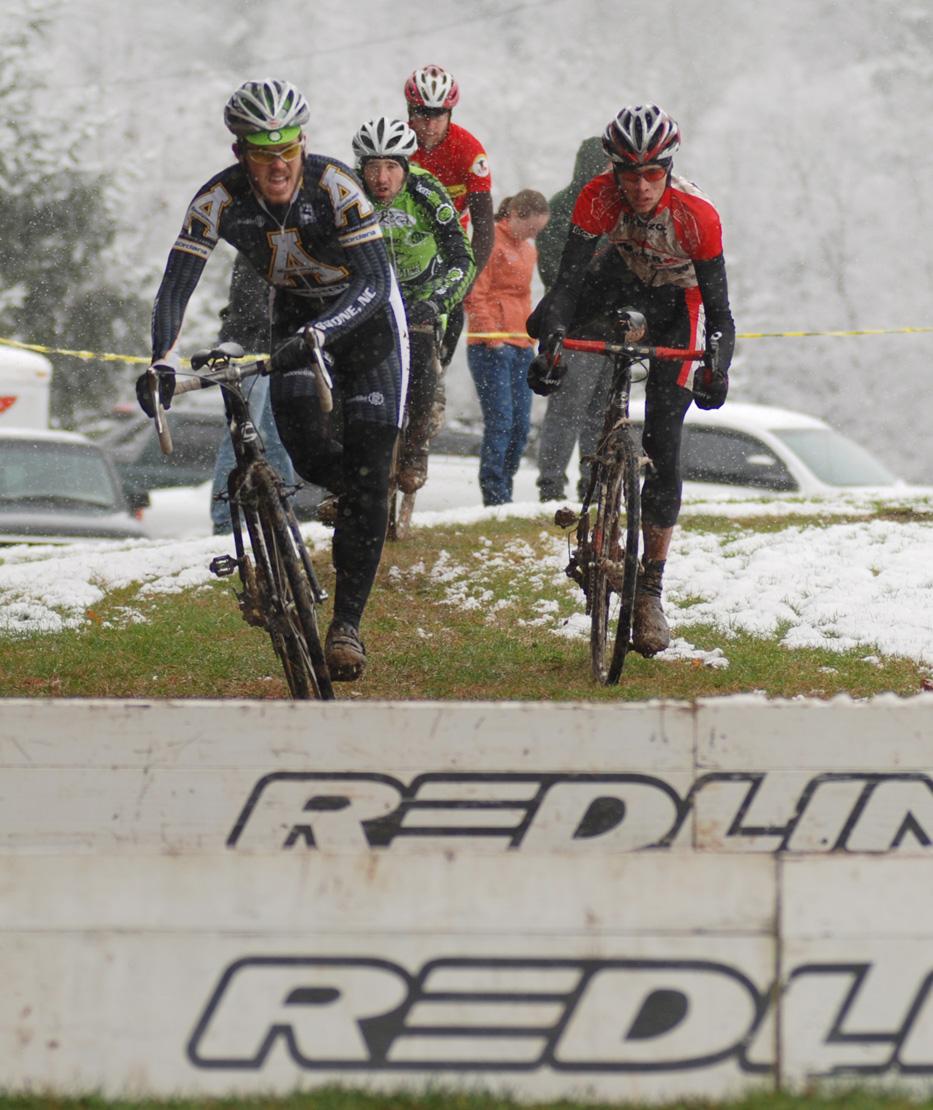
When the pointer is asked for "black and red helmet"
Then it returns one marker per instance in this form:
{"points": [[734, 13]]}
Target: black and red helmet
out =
{"points": [[431, 87], [642, 135]]}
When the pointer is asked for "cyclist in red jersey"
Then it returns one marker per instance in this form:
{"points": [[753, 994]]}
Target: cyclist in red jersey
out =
{"points": [[458, 160], [664, 257]]}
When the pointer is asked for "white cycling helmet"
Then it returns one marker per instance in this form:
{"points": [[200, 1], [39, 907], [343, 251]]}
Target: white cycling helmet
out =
{"points": [[642, 135], [385, 138], [268, 105], [431, 87]]}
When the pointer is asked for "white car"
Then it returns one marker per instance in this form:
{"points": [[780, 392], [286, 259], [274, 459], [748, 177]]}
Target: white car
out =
{"points": [[58, 487], [738, 451], [744, 449]]}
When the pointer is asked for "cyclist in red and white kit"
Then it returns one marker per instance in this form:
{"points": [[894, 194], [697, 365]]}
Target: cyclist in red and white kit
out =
{"points": [[665, 258], [458, 160]]}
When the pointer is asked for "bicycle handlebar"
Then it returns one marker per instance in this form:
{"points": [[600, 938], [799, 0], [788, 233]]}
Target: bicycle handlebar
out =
{"points": [[634, 351], [216, 367], [225, 373]]}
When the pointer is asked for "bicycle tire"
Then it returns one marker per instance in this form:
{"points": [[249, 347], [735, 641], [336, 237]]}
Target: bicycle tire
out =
{"points": [[286, 595], [613, 566], [631, 501]]}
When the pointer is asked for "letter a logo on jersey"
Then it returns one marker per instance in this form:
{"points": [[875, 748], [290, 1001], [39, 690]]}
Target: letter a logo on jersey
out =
{"points": [[291, 264], [345, 195], [207, 210]]}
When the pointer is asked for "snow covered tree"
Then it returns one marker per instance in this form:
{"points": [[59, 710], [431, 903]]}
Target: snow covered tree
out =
{"points": [[56, 230]]}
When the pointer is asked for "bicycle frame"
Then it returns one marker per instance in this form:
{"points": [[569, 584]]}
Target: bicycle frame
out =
{"points": [[605, 558]]}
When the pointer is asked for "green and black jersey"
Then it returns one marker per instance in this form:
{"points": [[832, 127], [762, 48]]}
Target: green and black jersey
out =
{"points": [[426, 243]]}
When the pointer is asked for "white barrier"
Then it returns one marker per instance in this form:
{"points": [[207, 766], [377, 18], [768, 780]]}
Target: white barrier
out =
{"points": [[743, 775], [203, 899]]}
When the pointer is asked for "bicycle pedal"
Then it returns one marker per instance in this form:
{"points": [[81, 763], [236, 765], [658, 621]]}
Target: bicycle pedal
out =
{"points": [[223, 565]]}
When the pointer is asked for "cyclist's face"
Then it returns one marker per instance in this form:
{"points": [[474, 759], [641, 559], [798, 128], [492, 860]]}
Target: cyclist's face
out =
{"points": [[384, 179], [275, 178], [642, 188], [430, 129]]}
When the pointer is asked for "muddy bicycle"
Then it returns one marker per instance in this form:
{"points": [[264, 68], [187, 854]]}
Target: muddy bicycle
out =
{"points": [[280, 590], [604, 555]]}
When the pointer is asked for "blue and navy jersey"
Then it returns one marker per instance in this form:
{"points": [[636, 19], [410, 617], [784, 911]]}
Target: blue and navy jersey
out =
{"points": [[326, 246]]}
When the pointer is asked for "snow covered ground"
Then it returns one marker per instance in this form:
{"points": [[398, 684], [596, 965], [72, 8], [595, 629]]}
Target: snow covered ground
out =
{"points": [[839, 585]]}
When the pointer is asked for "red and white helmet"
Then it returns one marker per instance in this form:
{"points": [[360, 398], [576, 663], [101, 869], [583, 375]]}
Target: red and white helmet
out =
{"points": [[432, 87], [642, 135]]}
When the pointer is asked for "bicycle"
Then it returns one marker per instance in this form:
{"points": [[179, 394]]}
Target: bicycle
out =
{"points": [[604, 560], [280, 590]]}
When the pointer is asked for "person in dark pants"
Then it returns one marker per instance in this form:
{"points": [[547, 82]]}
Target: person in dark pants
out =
{"points": [[304, 222], [665, 260], [249, 328], [575, 412]]}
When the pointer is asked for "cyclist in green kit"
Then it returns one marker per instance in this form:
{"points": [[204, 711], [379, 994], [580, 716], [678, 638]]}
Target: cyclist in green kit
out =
{"points": [[433, 261]]}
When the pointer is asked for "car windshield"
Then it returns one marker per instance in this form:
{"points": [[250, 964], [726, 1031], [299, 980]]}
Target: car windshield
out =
{"points": [[54, 473], [834, 459]]}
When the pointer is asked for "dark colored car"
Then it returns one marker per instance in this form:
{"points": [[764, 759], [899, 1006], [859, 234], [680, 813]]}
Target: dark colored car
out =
{"points": [[57, 487], [196, 435]]}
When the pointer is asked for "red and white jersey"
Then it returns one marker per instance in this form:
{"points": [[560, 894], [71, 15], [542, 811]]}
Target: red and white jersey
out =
{"points": [[659, 249], [459, 162]]}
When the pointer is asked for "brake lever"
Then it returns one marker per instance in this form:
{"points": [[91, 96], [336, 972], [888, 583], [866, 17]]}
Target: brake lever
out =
{"points": [[159, 415]]}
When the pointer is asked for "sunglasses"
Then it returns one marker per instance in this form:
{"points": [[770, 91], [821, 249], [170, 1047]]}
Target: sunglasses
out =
{"points": [[264, 155], [426, 113], [649, 173]]}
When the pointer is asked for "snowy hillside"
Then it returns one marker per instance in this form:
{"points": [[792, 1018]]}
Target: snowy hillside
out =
{"points": [[805, 121]]}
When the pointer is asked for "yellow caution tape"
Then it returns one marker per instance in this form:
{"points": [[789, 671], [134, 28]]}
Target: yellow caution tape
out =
{"points": [[100, 356], [853, 331], [742, 334], [88, 356]]}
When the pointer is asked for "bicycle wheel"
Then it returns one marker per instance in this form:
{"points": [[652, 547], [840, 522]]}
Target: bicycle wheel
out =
{"points": [[627, 584], [285, 592], [612, 570]]}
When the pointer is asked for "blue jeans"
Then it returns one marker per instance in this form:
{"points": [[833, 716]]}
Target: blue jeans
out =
{"points": [[257, 391], [500, 377]]}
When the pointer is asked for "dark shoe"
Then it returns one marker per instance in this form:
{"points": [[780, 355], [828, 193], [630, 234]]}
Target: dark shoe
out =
{"points": [[328, 511], [413, 471], [550, 492], [345, 653], [650, 633]]}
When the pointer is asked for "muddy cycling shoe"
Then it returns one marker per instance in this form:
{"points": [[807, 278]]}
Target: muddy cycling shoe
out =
{"points": [[328, 511], [650, 633], [413, 472], [344, 651]]}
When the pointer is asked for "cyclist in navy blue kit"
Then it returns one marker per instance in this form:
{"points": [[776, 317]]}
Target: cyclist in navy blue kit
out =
{"points": [[664, 257], [304, 223]]}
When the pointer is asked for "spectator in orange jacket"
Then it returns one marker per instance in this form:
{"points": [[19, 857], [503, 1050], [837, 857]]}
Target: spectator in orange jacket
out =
{"points": [[497, 307]]}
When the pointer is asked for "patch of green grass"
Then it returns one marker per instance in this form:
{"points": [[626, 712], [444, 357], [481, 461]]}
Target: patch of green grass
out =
{"points": [[459, 612]]}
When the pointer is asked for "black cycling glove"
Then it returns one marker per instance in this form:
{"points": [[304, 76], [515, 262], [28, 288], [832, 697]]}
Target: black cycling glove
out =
{"points": [[166, 375]]}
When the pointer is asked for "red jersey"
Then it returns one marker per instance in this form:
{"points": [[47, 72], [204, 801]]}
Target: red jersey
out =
{"points": [[460, 164], [659, 249]]}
